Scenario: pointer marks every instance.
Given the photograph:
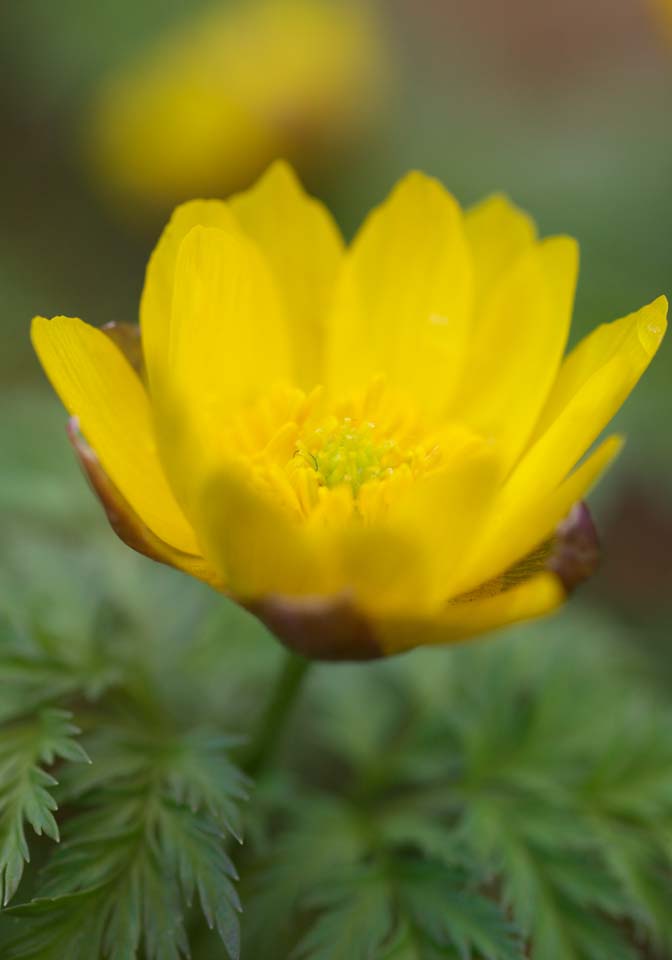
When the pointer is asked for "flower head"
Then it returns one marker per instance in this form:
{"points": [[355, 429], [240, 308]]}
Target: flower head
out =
{"points": [[370, 448], [217, 99]]}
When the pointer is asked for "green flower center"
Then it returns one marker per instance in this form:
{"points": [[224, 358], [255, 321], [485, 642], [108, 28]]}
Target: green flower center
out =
{"points": [[349, 453]]}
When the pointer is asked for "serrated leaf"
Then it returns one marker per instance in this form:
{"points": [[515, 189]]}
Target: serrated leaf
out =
{"points": [[354, 922], [25, 787], [438, 901], [415, 909], [38, 669], [201, 776], [193, 851], [325, 837], [136, 856]]}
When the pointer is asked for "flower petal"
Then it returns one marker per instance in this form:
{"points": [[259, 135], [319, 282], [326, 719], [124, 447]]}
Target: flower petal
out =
{"points": [[157, 295], [403, 301], [227, 333], [447, 510], [517, 345], [463, 619], [127, 524], [498, 233], [227, 345], [304, 249], [594, 381], [521, 525], [386, 571], [126, 336], [97, 385], [257, 544]]}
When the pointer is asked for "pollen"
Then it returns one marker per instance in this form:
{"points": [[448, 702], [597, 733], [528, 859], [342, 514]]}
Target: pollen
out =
{"points": [[321, 456], [349, 453]]}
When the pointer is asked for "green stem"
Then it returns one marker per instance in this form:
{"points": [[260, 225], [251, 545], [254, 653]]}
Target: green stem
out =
{"points": [[274, 718]]}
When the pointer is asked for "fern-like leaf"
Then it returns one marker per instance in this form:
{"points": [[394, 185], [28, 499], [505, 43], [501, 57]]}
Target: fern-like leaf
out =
{"points": [[404, 907], [26, 796], [133, 859]]}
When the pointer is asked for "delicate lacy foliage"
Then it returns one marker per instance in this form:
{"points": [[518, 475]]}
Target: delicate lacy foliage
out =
{"points": [[146, 842], [545, 788], [26, 748], [404, 906], [37, 669], [145, 823], [507, 800]]}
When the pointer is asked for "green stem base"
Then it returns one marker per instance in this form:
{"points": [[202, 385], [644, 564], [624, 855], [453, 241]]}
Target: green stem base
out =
{"points": [[274, 717]]}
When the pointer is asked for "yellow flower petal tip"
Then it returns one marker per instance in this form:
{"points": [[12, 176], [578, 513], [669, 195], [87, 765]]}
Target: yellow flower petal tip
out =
{"points": [[652, 325], [370, 448]]}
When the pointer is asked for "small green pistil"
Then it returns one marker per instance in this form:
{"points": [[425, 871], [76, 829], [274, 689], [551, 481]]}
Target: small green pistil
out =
{"points": [[349, 454]]}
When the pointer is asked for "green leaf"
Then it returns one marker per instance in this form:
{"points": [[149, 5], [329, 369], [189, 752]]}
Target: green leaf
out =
{"points": [[60, 928], [413, 944], [553, 875], [200, 775], [355, 918], [30, 675], [192, 850], [405, 907], [438, 901], [135, 855], [38, 669], [326, 837], [25, 787]]}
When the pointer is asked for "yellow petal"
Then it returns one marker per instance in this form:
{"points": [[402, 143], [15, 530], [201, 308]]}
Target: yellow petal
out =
{"points": [[304, 249], [387, 571], [227, 345], [407, 561], [402, 304], [157, 295], [498, 233], [534, 598], [594, 381], [261, 549], [447, 510], [518, 344], [128, 526], [98, 386], [521, 524]]}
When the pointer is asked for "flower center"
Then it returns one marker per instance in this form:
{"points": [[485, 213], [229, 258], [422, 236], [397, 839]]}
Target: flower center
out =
{"points": [[347, 452], [324, 459]]}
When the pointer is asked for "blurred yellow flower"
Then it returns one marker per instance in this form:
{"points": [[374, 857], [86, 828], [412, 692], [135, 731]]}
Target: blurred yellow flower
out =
{"points": [[663, 8], [370, 448], [216, 101]]}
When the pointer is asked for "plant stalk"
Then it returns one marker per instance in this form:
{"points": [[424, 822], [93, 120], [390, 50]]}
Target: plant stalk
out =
{"points": [[276, 714]]}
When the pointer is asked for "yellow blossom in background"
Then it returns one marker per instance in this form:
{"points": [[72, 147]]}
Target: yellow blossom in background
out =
{"points": [[215, 101], [663, 10], [371, 448]]}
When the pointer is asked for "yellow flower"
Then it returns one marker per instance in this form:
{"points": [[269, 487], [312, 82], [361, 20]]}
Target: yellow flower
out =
{"points": [[662, 9], [370, 448], [213, 103]]}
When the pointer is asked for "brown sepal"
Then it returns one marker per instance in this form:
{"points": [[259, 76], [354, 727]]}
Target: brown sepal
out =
{"points": [[575, 551], [127, 524], [319, 628]]}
